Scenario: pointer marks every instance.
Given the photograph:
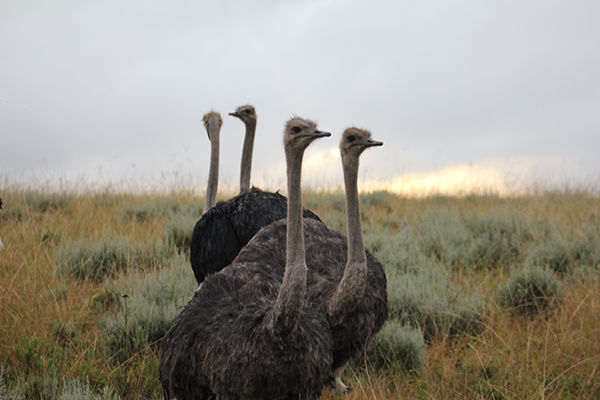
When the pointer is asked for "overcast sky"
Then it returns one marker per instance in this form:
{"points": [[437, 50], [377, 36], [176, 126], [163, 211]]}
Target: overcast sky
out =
{"points": [[113, 92]]}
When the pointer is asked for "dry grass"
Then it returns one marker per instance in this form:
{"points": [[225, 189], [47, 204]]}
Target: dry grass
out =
{"points": [[49, 322]]}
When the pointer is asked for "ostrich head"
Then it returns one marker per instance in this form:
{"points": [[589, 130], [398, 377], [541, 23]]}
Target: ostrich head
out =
{"points": [[299, 133], [246, 113], [212, 120], [355, 141]]}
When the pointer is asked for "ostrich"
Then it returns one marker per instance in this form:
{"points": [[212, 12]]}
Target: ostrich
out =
{"points": [[249, 333], [347, 282], [212, 123], [222, 231]]}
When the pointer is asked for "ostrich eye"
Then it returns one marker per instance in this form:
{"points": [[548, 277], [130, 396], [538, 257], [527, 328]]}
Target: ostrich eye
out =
{"points": [[247, 111], [351, 138], [296, 129]]}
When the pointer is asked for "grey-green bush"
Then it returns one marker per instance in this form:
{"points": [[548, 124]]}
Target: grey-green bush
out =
{"points": [[424, 297], [146, 313], [49, 388], [75, 390], [97, 260], [479, 240], [553, 254], [397, 346], [530, 291], [178, 231]]}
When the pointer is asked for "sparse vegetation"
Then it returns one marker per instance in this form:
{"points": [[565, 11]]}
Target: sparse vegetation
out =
{"points": [[490, 297]]}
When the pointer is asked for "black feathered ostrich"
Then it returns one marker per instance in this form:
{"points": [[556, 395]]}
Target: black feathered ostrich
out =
{"points": [[248, 332], [345, 281], [223, 230]]}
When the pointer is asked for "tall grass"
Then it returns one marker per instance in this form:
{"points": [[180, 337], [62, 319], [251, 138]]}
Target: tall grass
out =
{"points": [[490, 297]]}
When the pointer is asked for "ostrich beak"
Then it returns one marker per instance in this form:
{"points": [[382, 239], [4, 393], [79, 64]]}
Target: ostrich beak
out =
{"points": [[372, 143], [320, 134]]}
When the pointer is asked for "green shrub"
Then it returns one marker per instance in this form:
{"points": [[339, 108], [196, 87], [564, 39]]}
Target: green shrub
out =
{"points": [[96, 261], [49, 388], [563, 254], [178, 231], [393, 249], [397, 346], [75, 390], [41, 388], [530, 291], [442, 235], [424, 297], [146, 310], [496, 240], [479, 241], [553, 254]]}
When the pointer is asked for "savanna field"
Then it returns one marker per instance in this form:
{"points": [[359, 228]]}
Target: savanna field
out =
{"points": [[490, 297]]}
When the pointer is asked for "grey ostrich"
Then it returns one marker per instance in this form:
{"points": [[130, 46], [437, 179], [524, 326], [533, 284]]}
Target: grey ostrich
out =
{"points": [[249, 333], [221, 233], [347, 282], [212, 123]]}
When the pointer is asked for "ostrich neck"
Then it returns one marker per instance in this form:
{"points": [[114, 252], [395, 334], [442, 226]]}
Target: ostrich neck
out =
{"points": [[213, 172], [290, 300], [356, 246], [246, 167], [351, 288]]}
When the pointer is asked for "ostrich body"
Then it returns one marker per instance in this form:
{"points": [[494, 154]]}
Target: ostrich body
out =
{"points": [[346, 281], [212, 123], [221, 233], [249, 333]]}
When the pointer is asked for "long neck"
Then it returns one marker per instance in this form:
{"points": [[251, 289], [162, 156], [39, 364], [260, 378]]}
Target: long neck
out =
{"points": [[246, 167], [351, 288], [292, 293], [213, 173]]}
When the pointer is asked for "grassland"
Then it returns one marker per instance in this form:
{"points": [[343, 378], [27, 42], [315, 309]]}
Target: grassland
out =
{"points": [[495, 298]]}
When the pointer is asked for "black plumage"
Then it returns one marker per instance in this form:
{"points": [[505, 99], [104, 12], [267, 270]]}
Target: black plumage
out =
{"points": [[249, 332], [344, 279], [220, 344], [326, 256]]}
